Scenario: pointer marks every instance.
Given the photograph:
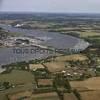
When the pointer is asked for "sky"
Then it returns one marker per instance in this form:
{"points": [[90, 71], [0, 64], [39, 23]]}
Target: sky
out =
{"points": [[64, 6]]}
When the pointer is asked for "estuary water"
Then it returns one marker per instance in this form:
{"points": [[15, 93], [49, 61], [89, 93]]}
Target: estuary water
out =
{"points": [[49, 39]]}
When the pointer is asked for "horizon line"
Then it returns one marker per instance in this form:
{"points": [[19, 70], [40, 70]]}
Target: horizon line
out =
{"points": [[30, 12]]}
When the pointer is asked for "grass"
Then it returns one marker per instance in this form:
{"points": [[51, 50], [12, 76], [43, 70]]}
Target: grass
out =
{"points": [[89, 33], [85, 34], [17, 77]]}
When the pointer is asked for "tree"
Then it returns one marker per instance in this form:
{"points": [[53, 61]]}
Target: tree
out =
{"points": [[67, 85], [77, 94], [6, 85]]}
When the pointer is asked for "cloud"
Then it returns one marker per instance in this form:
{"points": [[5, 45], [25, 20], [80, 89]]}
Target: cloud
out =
{"points": [[0, 3], [51, 5]]}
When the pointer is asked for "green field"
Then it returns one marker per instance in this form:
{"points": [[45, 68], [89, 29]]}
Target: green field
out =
{"points": [[17, 77]]}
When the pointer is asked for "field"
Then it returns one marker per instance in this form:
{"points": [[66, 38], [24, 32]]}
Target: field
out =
{"points": [[69, 96], [88, 89], [73, 57], [90, 95], [55, 66], [22, 79], [59, 63], [89, 33], [76, 65], [53, 96], [14, 90], [17, 77], [91, 84], [45, 96]]}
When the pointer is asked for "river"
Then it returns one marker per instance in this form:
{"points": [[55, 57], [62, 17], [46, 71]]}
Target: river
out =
{"points": [[50, 39]]}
